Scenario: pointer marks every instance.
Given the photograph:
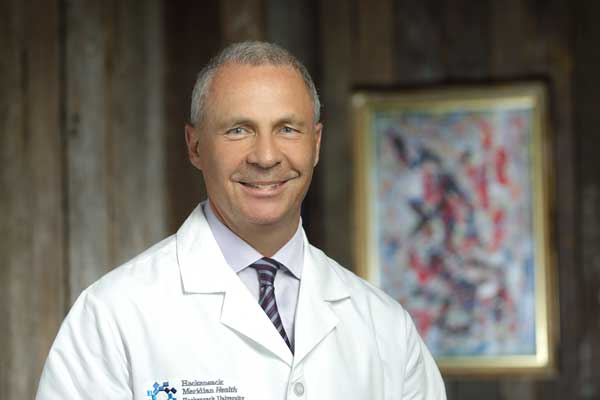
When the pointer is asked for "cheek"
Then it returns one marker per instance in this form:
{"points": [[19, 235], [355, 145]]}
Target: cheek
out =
{"points": [[303, 157], [219, 161]]}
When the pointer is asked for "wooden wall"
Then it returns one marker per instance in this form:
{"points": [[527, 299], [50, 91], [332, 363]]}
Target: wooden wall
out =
{"points": [[94, 95], [33, 290], [586, 82]]}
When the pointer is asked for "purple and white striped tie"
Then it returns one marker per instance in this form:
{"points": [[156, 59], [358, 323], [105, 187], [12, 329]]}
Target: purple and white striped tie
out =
{"points": [[266, 269]]}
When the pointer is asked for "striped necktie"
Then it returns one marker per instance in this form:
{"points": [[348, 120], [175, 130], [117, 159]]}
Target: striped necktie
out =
{"points": [[266, 269]]}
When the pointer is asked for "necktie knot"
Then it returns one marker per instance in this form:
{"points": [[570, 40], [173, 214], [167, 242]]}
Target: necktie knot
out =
{"points": [[266, 269]]}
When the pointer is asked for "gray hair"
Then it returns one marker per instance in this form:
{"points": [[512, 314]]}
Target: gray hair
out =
{"points": [[249, 53]]}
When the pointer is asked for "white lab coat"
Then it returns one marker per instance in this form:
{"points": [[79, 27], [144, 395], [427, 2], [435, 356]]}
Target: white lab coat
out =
{"points": [[178, 317]]}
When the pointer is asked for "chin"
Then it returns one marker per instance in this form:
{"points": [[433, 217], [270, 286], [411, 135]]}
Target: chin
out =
{"points": [[263, 219], [266, 216]]}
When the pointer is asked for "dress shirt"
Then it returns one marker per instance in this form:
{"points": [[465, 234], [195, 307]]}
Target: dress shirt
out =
{"points": [[240, 255]]}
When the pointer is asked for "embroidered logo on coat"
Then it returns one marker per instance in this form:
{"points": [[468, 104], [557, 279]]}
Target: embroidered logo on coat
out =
{"points": [[155, 393]]}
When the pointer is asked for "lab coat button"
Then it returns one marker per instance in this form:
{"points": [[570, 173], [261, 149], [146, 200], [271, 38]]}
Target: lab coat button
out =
{"points": [[299, 389]]}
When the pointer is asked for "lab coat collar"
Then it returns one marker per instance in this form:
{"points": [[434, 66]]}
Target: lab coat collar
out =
{"points": [[322, 276], [204, 270], [200, 259], [195, 243]]}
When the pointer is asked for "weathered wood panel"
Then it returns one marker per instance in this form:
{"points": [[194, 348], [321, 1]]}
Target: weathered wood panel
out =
{"points": [[475, 389], [242, 20], [419, 42], [374, 41], [136, 167], [336, 144], [467, 37], [191, 36], [87, 153], [292, 24], [587, 117], [32, 274], [116, 152]]}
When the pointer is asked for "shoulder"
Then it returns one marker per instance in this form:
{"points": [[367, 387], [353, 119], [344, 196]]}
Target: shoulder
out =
{"points": [[153, 270], [159, 265], [365, 296], [398, 342], [90, 350]]}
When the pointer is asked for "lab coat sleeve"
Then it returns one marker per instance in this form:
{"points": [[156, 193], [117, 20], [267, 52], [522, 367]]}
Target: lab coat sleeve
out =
{"points": [[422, 379], [87, 359]]}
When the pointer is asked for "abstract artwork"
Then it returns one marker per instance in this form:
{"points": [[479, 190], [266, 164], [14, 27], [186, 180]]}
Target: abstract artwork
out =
{"points": [[452, 220]]}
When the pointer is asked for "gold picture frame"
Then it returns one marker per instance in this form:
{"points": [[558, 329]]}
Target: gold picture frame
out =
{"points": [[452, 218]]}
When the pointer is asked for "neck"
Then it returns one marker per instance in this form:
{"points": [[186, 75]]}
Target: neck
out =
{"points": [[266, 239]]}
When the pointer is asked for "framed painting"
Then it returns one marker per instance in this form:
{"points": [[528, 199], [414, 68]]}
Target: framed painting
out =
{"points": [[452, 204]]}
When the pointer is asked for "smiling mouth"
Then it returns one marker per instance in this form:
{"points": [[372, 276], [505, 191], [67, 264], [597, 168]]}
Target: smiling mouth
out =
{"points": [[263, 185]]}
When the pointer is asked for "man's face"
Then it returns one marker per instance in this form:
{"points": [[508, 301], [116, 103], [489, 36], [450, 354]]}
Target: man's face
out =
{"points": [[257, 145]]}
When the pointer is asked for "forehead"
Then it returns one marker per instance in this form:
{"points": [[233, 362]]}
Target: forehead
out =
{"points": [[251, 82], [235, 72]]}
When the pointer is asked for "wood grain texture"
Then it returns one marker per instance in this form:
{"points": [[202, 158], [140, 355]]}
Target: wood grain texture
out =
{"points": [[32, 271], [88, 153], [419, 47], [136, 170], [475, 389], [374, 41], [242, 20], [116, 137], [292, 24], [192, 35], [336, 145], [467, 37], [587, 117], [442, 42]]}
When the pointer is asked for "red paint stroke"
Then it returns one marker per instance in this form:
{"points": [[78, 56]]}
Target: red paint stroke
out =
{"points": [[499, 234], [501, 166], [486, 130]]}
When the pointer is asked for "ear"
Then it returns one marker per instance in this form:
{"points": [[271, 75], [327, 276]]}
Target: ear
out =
{"points": [[192, 140], [318, 132]]}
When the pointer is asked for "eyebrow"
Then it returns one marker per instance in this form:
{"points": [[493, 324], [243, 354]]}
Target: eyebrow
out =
{"points": [[291, 119], [286, 119], [237, 121]]}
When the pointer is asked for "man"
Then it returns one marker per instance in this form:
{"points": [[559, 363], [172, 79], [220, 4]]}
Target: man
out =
{"points": [[237, 304]]}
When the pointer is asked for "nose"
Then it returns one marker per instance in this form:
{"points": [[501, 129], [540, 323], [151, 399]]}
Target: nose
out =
{"points": [[265, 151]]}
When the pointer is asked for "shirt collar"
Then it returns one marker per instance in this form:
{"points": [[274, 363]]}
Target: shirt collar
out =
{"points": [[240, 254]]}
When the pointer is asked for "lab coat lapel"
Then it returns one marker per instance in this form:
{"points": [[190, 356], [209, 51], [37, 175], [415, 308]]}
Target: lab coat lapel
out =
{"points": [[242, 313], [319, 287], [204, 271]]}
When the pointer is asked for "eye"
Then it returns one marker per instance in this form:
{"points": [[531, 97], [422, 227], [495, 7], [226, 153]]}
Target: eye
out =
{"points": [[237, 132], [287, 129]]}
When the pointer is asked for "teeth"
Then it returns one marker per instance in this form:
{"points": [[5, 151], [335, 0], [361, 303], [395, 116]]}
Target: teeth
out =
{"points": [[262, 186]]}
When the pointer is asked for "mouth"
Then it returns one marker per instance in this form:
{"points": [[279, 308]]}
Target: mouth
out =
{"points": [[263, 185], [264, 188]]}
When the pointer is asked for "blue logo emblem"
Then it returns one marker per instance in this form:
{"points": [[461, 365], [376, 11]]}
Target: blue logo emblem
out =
{"points": [[154, 393]]}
